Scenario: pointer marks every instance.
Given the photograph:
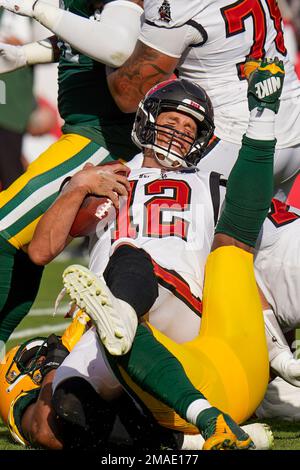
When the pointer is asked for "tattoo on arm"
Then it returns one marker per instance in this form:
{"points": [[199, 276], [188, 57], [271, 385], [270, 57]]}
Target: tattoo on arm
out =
{"points": [[145, 72]]}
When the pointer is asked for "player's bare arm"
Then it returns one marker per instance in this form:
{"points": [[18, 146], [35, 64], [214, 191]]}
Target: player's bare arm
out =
{"points": [[39, 421], [52, 232], [220, 239], [145, 68]]}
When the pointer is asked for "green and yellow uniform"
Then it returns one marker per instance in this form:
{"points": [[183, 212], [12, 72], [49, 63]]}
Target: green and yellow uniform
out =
{"points": [[95, 131]]}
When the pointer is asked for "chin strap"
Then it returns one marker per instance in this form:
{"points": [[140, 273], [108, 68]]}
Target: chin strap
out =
{"points": [[166, 162]]}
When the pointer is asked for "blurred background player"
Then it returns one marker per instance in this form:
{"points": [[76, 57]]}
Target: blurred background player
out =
{"points": [[26, 110], [19, 100]]}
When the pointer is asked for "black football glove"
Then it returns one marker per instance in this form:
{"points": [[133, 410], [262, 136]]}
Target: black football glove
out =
{"points": [[56, 354]]}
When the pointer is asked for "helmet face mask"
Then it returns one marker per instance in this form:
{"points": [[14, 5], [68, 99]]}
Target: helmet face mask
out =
{"points": [[166, 140], [181, 96], [27, 361]]}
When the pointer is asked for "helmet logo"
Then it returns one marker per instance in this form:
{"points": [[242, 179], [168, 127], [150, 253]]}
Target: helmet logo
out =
{"points": [[165, 11], [37, 377], [11, 376], [193, 104]]}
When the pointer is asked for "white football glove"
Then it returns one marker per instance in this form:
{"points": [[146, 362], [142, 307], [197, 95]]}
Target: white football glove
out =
{"points": [[11, 58], [20, 7]]}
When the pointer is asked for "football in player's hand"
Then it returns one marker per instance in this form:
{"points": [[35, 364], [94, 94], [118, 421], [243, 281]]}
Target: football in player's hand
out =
{"points": [[92, 210]]}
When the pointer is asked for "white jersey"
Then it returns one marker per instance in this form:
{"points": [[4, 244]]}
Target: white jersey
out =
{"points": [[172, 216], [277, 262], [212, 39]]}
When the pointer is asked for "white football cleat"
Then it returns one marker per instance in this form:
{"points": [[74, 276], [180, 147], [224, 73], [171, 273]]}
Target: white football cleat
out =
{"points": [[260, 434], [115, 320]]}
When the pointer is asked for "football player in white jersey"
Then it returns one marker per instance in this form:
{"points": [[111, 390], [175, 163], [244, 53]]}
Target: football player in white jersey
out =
{"points": [[173, 126], [206, 41], [172, 211], [277, 272]]}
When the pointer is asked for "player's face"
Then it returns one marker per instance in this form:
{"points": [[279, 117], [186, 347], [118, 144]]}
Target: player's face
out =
{"points": [[183, 131]]}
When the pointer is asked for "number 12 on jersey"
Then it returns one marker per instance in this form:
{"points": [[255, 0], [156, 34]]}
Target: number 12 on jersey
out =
{"points": [[159, 214]]}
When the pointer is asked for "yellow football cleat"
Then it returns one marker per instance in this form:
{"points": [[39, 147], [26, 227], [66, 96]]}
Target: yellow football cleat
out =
{"points": [[222, 433], [75, 330]]}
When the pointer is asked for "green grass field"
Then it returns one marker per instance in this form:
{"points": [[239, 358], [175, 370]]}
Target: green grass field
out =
{"points": [[41, 322]]}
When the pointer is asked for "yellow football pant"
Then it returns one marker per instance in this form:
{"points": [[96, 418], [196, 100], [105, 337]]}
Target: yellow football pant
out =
{"points": [[228, 360]]}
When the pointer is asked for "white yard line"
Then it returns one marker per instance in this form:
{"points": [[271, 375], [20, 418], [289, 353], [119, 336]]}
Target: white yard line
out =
{"points": [[44, 312], [39, 330]]}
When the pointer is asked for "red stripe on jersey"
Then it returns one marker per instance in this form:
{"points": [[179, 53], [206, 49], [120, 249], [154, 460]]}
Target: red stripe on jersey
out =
{"points": [[212, 140], [172, 281], [280, 215], [293, 198], [211, 145]]}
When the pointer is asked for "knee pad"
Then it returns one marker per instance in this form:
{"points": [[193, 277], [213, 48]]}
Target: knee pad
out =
{"points": [[130, 276]]}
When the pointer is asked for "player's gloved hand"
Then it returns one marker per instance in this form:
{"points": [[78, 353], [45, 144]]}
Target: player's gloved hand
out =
{"points": [[287, 368], [265, 82], [20, 7], [250, 66], [11, 58], [56, 354]]}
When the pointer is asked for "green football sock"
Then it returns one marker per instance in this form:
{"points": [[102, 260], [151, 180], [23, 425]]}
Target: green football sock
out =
{"points": [[249, 191], [158, 372]]}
